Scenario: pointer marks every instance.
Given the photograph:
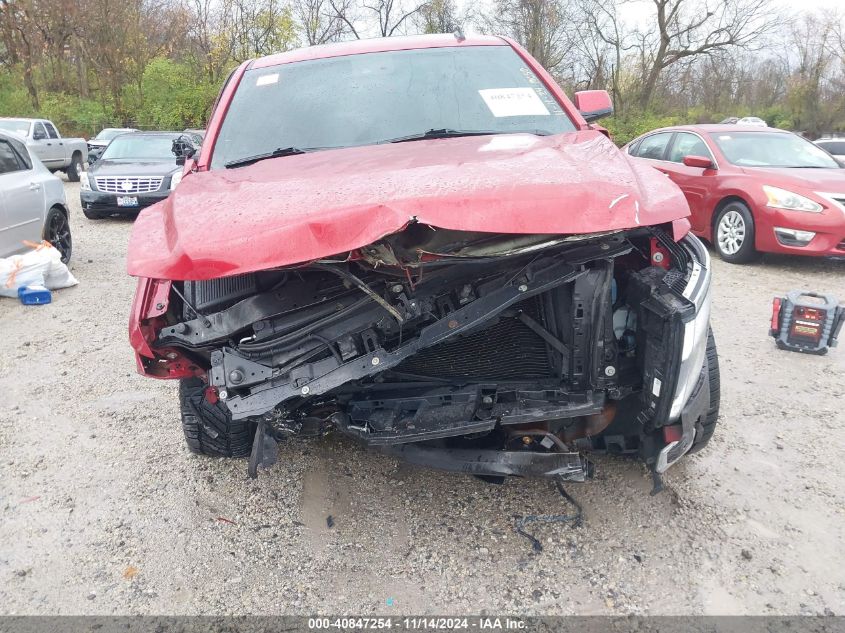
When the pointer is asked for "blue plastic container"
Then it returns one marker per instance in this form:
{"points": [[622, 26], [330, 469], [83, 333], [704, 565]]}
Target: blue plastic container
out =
{"points": [[34, 295]]}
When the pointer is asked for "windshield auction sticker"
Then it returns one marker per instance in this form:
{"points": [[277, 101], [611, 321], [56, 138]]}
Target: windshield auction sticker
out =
{"points": [[505, 102], [266, 80]]}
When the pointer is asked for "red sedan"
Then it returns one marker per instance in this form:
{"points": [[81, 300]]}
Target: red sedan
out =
{"points": [[752, 190]]}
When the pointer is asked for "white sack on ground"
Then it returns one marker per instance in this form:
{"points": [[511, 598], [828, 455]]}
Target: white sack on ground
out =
{"points": [[41, 266]]}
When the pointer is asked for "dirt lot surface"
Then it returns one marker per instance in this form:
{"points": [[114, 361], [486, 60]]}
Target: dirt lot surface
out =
{"points": [[104, 511]]}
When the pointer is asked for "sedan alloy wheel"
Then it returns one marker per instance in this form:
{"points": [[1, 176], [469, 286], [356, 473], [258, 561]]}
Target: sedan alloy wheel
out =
{"points": [[731, 232]]}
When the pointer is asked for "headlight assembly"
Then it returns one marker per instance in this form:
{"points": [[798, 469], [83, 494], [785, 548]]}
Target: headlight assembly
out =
{"points": [[782, 199], [695, 330], [85, 184], [175, 179]]}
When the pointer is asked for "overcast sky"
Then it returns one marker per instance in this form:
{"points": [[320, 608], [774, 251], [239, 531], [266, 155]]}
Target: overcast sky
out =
{"points": [[644, 9], [631, 11]]}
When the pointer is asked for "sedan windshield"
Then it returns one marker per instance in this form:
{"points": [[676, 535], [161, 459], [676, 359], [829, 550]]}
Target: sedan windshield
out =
{"points": [[133, 146], [380, 97], [15, 125], [771, 149]]}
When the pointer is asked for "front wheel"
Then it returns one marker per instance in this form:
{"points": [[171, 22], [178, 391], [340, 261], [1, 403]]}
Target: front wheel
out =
{"points": [[57, 232], [704, 432], [74, 170], [209, 428], [734, 234]]}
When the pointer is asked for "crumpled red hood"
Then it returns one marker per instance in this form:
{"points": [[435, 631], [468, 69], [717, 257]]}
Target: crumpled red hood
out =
{"points": [[295, 209]]}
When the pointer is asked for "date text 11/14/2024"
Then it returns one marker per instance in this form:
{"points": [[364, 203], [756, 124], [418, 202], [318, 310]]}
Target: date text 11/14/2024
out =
{"points": [[420, 623]]}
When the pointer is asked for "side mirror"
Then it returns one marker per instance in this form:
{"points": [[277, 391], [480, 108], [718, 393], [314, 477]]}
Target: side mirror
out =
{"points": [[38, 135], [187, 152], [698, 161], [593, 104], [182, 148]]}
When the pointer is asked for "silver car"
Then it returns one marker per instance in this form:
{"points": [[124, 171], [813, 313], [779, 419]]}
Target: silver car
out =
{"points": [[835, 147], [32, 201]]}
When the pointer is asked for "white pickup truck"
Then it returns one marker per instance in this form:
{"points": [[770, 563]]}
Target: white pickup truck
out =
{"points": [[44, 141]]}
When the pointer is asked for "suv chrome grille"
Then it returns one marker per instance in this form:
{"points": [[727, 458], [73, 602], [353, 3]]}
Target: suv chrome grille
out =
{"points": [[128, 184]]}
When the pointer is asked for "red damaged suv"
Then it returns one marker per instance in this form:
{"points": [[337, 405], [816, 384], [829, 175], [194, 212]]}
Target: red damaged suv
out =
{"points": [[423, 244]]}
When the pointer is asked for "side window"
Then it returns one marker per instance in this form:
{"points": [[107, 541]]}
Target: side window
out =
{"points": [[653, 146], [38, 132], [51, 131], [837, 148], [687, 144], [8, 158], [22, 152]]}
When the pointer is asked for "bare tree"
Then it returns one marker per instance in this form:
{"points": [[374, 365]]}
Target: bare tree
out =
{"points": [[211, 35], [544, 27], [20, 39], [262, 27], [321, 22], [603, 44], [439, 16], [813, 40], [391, 15], [347, 12], [686, 29]]}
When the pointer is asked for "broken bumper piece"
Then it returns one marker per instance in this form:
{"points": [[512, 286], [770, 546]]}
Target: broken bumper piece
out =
{"points": [[495, 463]]}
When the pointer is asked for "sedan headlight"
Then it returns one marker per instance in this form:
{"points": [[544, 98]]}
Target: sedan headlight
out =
{"points": [[84, 182], [175, 179], [782, 199]]}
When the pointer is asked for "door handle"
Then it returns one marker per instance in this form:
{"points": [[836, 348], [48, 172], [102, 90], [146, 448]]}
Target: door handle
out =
{"points": [[34, 186]]}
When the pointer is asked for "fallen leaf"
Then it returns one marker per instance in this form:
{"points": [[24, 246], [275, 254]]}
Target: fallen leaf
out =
{"points": [[130, 572]]}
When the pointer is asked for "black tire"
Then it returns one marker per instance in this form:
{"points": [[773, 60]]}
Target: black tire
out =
{"points": [[74, 170], [737, 218], [209, 428], [705, 431], [92, 215], [57, 232]]}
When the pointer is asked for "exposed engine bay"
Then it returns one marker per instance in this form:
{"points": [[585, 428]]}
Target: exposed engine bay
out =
{"points": [[480, 353]]}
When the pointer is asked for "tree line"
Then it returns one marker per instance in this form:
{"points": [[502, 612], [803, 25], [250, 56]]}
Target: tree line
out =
{"points": [[160, 63]]}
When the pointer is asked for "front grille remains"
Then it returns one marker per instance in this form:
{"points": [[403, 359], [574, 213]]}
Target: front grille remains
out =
{"points": [[215, 293], [507, 350], [126, 185]]}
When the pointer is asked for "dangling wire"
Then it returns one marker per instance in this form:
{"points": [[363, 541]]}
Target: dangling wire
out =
{"points": [[576, 518]]}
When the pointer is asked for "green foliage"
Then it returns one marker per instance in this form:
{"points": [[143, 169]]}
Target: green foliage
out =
{"points": [[624, 129], [171, 97], [75, 115], [72, 114], [628, 127], [14, 100]]}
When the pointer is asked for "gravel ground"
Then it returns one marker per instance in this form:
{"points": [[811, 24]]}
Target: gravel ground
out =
{"points": [[104, 511]]}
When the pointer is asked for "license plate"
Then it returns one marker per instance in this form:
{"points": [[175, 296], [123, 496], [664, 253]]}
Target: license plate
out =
{"points": [[127, 201]]}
